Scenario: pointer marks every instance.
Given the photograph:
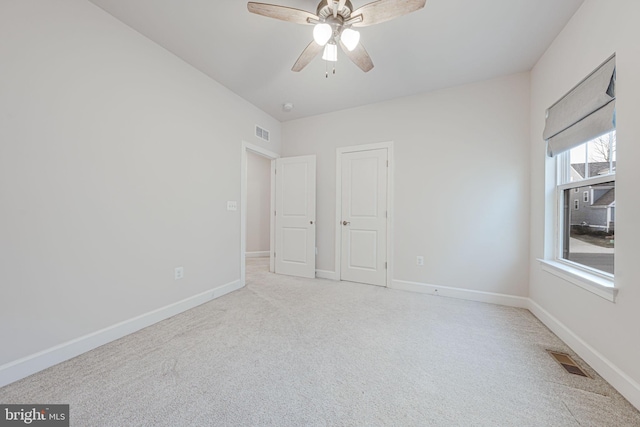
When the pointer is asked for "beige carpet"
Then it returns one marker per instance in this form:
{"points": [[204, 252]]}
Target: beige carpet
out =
{"points": [[295, 352]]}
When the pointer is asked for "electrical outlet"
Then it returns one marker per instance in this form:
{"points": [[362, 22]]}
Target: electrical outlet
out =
{"points": [[419, 260], [232, 206], [178, 273]]}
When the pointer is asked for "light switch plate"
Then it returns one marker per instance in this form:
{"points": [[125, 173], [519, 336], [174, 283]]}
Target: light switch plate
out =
{"points": [[232, 205]]}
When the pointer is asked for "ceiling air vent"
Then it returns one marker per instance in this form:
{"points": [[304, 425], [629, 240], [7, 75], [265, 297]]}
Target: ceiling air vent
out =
{"points": [[262, 133]]}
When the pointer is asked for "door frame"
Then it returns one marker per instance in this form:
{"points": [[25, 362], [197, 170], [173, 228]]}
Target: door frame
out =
{"points": [[338, 219], [263, 152]]}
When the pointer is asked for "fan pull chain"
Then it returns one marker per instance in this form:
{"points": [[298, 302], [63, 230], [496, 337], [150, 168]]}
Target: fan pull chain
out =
{"points": [[326, 69]]}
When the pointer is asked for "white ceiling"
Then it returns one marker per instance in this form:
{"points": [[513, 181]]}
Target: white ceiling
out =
{"points": [[448, 43]]}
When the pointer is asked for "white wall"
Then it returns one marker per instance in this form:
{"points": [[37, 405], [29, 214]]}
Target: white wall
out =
{"points": [[116, 163], [461, 181], [258, 202], [611, 330]]}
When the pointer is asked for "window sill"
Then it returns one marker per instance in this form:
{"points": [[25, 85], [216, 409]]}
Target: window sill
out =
{"points": [[600, 286]]}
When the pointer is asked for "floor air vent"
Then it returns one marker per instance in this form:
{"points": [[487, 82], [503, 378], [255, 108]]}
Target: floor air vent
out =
{"points": [[568, 363]]}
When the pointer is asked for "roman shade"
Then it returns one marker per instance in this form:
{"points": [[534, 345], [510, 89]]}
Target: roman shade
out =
{"points": [[585, 113]]}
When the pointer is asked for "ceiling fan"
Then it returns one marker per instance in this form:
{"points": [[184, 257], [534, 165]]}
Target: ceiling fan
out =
{"points": [[333, 22]]}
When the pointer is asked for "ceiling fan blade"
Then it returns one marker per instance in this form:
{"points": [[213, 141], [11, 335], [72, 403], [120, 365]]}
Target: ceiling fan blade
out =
{"points": [[384, 10], [307, 55], [283, 13], [359, 56]]}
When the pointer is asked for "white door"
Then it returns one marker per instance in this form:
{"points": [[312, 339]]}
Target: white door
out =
{"points": [[364, 217], [295, 228]]}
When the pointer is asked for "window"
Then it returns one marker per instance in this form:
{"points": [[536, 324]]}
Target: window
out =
{"points": [[586, 235], [580, 132]]}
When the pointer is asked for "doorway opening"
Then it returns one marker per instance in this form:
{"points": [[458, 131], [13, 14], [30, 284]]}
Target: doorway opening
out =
{"points": [[255, 204], [258, 206], [291, 213]]}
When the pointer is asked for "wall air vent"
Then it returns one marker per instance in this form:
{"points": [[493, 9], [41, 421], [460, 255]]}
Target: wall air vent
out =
{"points": [[261, 133]]}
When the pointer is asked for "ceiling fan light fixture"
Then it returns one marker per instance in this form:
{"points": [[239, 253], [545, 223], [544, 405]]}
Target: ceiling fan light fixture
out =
{"points": [[322, 33], [350, 38], [330, 52], [332, 23]]}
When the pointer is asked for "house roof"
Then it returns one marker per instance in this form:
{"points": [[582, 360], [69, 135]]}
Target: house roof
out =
{"points": [[606, 199], [595, 168]]}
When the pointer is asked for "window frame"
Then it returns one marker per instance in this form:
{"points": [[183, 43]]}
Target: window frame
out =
{"points": [[587, 110], [563, 164]]}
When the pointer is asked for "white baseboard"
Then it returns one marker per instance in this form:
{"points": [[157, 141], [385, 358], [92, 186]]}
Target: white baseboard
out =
{"points": [[466, 294], [326, 274], [21, 368], [257, 254], [626, 385], [629, 388]]}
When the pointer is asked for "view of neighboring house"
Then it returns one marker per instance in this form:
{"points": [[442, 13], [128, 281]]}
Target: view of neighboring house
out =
{"points": [[594, 205]]}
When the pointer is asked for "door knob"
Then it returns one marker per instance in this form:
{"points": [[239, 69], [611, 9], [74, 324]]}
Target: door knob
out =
{"points": [[311, 222], [345, 223]]}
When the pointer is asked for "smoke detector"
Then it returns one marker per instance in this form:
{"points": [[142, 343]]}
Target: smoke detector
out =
{"points": [[287, 107]]}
